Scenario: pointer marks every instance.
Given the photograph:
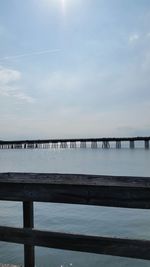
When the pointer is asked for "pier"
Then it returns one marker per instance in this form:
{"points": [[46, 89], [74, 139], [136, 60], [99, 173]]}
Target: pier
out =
{"points": [[94, 143], [99, 190]]}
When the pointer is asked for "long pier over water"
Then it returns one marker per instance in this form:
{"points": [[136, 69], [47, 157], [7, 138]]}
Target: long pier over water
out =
{"points": [[105, 143]]}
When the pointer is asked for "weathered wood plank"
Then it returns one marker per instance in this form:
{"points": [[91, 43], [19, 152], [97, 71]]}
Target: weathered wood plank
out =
{"points": [[127, 197], [122, 247], [75, 179]]}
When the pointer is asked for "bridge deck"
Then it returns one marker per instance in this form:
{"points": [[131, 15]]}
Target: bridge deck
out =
{"points": [[59, 140], [94, 143]]}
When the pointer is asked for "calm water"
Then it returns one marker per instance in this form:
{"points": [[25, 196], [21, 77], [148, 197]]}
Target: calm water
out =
{"points": [[76, 218]]}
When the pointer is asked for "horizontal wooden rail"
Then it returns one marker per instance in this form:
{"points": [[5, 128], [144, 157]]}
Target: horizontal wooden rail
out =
{"points": [[127, 192], [85, 243]]}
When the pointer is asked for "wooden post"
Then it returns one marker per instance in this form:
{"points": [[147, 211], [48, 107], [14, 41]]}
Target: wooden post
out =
{"points": [[28, 222]]}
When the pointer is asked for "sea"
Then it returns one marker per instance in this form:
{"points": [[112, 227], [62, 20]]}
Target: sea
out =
{"points": [[104, 221]]}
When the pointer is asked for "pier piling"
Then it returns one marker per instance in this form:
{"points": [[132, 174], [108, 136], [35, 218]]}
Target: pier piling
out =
{"points": [[105, 144], [146, 144], [82, 144], [132, 144], [118, 144], [94, 144]]}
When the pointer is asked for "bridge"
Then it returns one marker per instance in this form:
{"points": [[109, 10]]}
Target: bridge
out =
{"points": [[104, 142]]}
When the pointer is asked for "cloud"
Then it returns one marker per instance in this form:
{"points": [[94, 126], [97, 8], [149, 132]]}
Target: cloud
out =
{"points": [[134, 38], [9, 75], [23, 97], [34, 53], [9, 79]]}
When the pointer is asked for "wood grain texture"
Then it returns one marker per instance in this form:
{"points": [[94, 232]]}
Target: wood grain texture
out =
{"points": [[127, 192], [93, 244], [75, 179]]}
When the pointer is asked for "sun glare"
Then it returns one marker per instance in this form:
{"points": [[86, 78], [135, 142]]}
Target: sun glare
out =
{"points": [[63, 4]]}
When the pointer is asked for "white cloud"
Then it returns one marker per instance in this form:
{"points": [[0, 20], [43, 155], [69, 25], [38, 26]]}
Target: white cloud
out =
{"points": [[23, 97], [134, 38], [8, 75], [8, 85], [41, 52]]}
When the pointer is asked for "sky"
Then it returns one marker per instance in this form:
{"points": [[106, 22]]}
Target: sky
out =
{"points": [[74, 68]]}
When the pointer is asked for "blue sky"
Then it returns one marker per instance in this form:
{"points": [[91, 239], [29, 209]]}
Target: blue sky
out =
{"points": [[71, 68]]}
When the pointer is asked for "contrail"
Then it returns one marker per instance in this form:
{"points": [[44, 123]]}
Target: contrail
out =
{"points": [[30, 54]]}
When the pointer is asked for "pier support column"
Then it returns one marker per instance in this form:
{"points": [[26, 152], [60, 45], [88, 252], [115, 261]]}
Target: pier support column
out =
{"points": [[93, 144], [105, 144], [30, 146], [146, 144], [73, 145], [54, 145], [46, 145], [63, 145], [40, 145], [132, 144], [34, 145], [118, 144], [83, 144]]}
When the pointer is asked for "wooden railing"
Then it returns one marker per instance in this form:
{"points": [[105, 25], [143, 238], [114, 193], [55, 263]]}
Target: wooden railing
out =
{"points": [[112, 191]]}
